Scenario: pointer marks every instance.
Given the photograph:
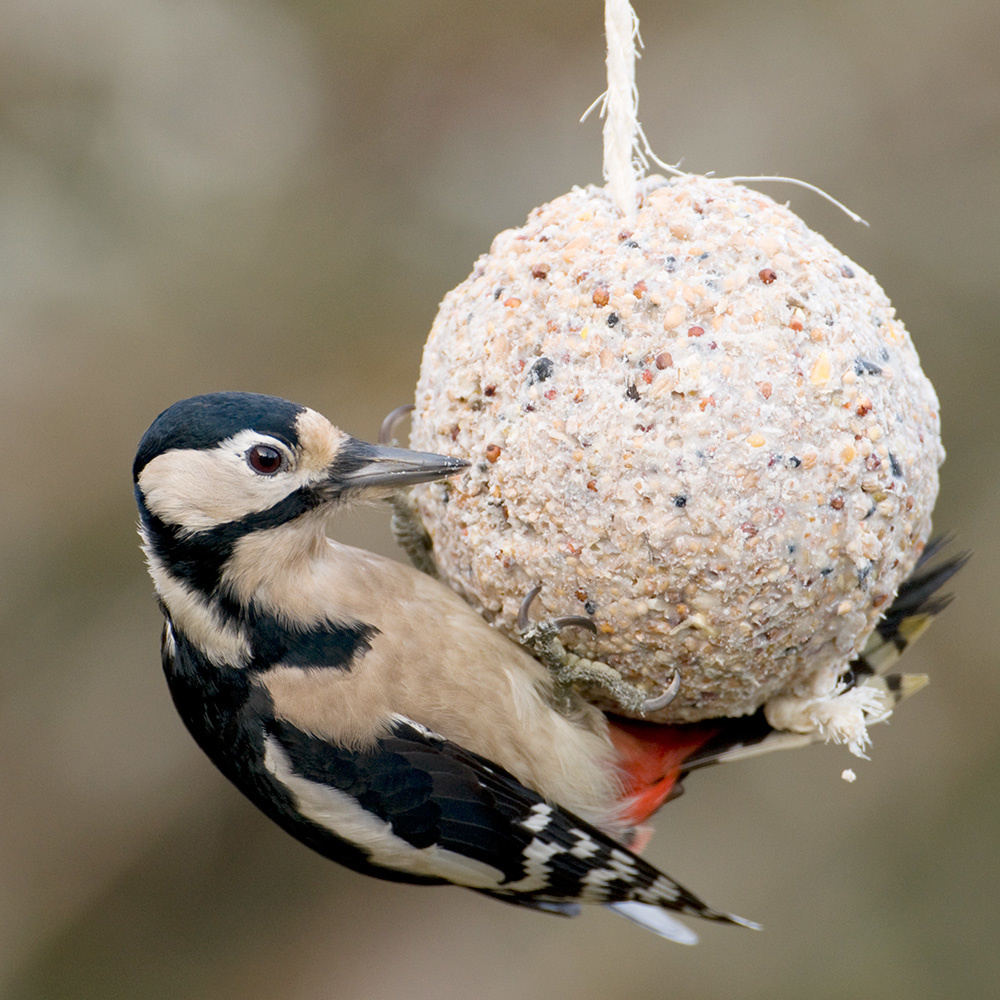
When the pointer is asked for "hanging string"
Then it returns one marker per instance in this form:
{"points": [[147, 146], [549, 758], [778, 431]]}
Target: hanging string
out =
{"points": [[621, 104], [627, 152]]}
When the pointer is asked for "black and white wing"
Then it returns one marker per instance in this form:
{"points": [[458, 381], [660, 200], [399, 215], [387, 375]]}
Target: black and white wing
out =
{"points": [[416, 807]]}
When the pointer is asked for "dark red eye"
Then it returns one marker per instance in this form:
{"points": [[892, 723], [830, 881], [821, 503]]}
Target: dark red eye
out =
{"points": [[264, 459]]}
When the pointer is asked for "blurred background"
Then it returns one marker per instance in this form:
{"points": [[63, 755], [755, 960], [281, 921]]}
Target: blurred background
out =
{"points": [[274, 195]]}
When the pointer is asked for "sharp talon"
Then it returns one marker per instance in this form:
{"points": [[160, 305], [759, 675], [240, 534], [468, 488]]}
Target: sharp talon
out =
{"points": [[522, 611], [564, 621], [385, 434], [661, 701], [567, 621]]}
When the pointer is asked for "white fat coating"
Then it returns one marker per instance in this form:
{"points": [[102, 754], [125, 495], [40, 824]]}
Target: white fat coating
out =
{"points": [[337, 811], [434, 660], [730, 454], [837, 715], [200, 488]]}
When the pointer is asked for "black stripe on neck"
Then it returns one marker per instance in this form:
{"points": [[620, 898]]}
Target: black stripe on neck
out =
{"points": [[327, 644], [198, 559]]}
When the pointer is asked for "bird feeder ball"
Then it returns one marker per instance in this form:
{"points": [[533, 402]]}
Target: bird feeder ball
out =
{"points": [[703, 427]]}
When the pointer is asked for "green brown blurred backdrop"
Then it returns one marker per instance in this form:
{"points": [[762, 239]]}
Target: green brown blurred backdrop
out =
{"points": [[273, 195]]}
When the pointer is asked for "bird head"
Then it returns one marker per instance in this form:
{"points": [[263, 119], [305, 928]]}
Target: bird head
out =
{"points": [[231, 463]]}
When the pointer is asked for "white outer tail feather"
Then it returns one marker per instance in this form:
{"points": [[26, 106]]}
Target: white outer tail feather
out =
{"points": [[655, 919]]}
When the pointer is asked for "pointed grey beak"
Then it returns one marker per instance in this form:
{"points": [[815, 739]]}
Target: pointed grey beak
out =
{"points": [[363, 466]]}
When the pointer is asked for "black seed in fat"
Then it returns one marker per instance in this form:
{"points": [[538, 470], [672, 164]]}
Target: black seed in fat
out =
{"points": [[540, 370], [862, 366]]}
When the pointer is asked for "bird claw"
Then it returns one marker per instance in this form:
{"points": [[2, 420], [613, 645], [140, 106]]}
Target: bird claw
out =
{"points": [[571, 621], [669, 693], [554, 624], [386, 433], [523, 622], [568, 669]]}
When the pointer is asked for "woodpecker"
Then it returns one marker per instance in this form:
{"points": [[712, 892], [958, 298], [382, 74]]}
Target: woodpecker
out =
{"points": [[359, 703]]}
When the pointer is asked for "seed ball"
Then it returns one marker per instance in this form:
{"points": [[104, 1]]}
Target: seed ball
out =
{"points": [[704, 428]]}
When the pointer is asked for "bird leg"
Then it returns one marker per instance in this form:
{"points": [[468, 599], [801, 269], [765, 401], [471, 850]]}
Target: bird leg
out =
{"points": [[568, 669], [407, 528]]}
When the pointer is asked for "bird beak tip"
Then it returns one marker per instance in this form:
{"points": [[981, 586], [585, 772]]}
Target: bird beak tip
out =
{"points": [[380, 466]]}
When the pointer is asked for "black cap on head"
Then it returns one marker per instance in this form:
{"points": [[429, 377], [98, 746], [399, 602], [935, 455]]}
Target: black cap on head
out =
{"points": [[204, 421]]}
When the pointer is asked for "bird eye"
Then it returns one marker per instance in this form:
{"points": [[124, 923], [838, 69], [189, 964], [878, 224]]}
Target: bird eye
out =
{"points": [[264, 459]]}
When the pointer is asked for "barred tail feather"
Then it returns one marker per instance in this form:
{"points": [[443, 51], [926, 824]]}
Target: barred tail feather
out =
{"points": [[660, 921]]}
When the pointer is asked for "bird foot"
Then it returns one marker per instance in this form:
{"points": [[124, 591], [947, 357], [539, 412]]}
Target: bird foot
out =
{"points": [[569, 669]]}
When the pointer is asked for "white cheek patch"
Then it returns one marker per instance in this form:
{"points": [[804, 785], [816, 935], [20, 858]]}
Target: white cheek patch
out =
{"points": [[198, 489], [339, 813]]}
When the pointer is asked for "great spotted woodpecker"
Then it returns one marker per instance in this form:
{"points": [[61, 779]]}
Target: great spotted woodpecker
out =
{"points": [[360, 704]]}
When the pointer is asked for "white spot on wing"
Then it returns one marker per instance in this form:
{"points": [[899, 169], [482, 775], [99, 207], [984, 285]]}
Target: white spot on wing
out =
{"points": [[536, 857], [538, 818], [585, 846], [624, 865], [663, 889], [595, 880]]}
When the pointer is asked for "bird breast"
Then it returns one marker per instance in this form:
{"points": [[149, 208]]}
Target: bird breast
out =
{"points": [[432, 660]]}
